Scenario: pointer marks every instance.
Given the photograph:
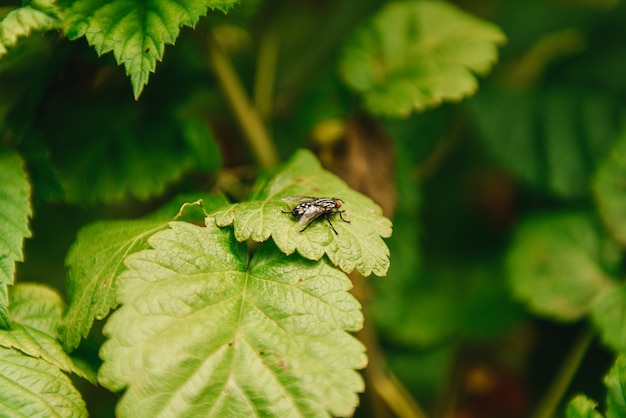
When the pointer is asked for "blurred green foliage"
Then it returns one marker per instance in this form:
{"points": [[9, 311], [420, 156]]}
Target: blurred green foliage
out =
{"points": [[490, 132]]}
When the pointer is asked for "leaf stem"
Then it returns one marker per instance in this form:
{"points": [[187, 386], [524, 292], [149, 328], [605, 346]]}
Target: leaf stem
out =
{"points": [[551, 400], [246, 114]]}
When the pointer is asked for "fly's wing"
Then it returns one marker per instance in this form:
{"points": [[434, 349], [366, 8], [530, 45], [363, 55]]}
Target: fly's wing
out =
{"points": [[298, 199], [310, 214]]}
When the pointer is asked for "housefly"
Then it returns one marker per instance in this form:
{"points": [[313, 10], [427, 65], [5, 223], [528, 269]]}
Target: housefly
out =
{"points": [[311, 208]]}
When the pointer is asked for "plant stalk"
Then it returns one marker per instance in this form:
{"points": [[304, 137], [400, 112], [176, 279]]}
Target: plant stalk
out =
{"points": [[249, 119], [551, 400], [266, 73]]}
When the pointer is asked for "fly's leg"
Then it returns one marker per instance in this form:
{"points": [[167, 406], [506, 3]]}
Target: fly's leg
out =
{"points": [[341, 216], [331, 225]]}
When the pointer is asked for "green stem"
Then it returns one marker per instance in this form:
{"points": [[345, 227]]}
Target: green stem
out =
{"points": [[247, 115], [266, 73], [551, 400]]}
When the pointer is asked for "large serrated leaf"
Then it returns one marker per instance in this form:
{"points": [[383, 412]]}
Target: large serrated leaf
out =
{"points": [[358, 244], [202, 332], [14, 213], [38, 16], [558, 265], [136, 31], [35, 314], [96, 259], [33, 387], [417, 54]]}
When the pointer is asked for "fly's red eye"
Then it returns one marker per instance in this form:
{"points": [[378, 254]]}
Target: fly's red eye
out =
{"points": [[338, 203]]}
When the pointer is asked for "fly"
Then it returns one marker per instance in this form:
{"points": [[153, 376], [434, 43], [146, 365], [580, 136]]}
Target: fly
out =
{"points": [[311, 208]]}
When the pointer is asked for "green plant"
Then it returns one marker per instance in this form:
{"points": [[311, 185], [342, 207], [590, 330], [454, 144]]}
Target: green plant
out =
{"points": [[160, 201]]}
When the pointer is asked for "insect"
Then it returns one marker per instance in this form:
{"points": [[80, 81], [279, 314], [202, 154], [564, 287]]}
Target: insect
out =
{"points": [[311, 208]]}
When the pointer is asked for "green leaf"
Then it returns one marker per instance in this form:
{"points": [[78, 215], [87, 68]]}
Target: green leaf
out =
{"points": [[35, 314], [609, 185], [358, 244], [94, 262], [38, 307], [559, 264], [106, 150], [14, 213], [202, 332], [18, 23], [136, 31], [582, 407], [416, 54], [33, 387], [609, 313], [96, 259], [552, 139], [615, 382]]}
